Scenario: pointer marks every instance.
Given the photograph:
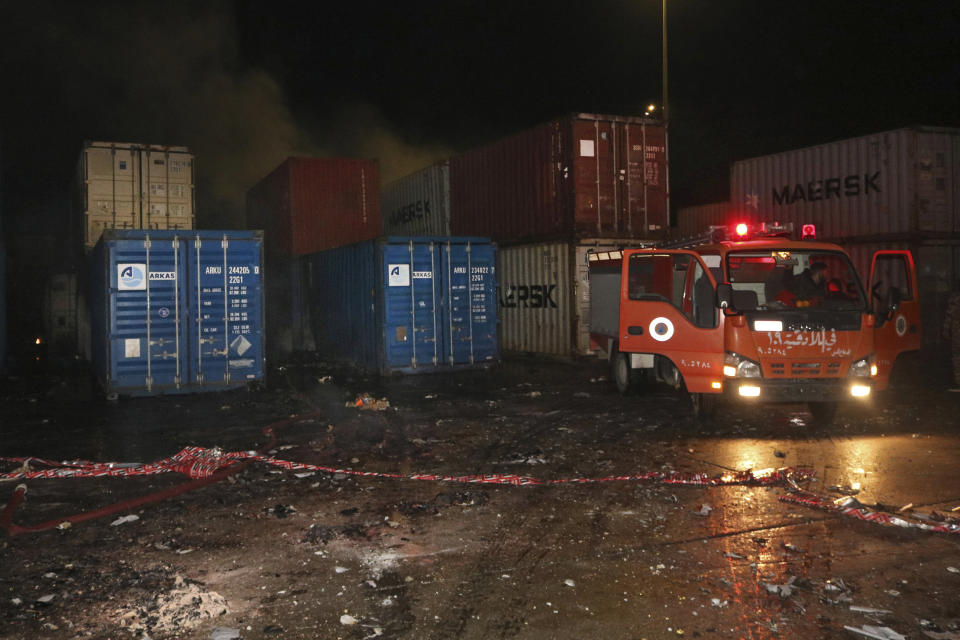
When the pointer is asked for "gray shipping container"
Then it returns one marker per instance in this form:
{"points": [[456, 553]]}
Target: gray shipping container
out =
{"points": [[870, 188], [418, 204], [545, 295]]}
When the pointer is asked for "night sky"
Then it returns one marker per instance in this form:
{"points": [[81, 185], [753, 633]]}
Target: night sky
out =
{"points": [[245, 84]]}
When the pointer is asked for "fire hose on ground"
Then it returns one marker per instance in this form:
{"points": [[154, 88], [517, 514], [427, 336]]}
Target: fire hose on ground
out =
{"points": [[206, 466]]}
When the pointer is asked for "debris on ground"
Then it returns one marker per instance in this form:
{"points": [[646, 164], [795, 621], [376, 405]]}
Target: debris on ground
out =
{"points": [[124, 520], [843, 490], [184, 607], [869, 610], [281, 510], [704, 510], [877, 633], [225, 633], [347, 619], [366, 401], [784, 590]]}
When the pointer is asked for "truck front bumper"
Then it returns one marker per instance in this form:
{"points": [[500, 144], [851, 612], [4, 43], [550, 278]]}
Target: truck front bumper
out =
{"points": [[798, 389]]}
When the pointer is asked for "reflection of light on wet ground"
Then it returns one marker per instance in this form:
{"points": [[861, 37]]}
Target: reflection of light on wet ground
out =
{"points": [[898, 468]]}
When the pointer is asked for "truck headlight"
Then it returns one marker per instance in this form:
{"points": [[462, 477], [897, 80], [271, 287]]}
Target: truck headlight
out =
{"points": [[862, 368], [736, 366]]}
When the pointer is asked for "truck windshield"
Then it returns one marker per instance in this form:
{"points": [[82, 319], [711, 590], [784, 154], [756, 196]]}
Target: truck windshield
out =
{"points": [[786, 279]]}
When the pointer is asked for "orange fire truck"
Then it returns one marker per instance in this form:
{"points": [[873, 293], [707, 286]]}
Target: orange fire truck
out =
{"points": [[754, 314]]}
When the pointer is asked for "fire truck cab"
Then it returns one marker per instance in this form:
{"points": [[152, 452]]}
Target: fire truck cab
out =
{"points": [[753, 314]]}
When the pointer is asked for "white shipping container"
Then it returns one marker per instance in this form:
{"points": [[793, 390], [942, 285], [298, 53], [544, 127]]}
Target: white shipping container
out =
{"points": [[418, 204], [545, 295], [122, 185], [895, 182]]}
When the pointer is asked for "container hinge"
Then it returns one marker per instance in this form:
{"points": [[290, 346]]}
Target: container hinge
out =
{"points": [[226, 377], [224, 243], [176, 381], [197, 243], [147, 243], [176, 242], [413, 362], [149, 382], [200, 378]]}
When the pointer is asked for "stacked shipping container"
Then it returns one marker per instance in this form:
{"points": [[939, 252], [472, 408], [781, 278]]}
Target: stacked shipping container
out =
{"points": [[419, 204], [120, 185], [863, 189], [582, 176], [307, 205], [545, 195], [545, 295]]}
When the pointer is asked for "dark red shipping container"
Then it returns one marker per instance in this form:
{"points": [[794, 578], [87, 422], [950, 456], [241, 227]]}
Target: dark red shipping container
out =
{"points": [[307, 205], [581, 176]]}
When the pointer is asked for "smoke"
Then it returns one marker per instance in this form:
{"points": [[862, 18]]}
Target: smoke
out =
{"points": [[174, 75]]}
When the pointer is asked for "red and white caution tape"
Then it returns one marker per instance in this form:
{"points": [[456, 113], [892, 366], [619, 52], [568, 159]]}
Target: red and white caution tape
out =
{"points": [[852, 508], [197, 462]]}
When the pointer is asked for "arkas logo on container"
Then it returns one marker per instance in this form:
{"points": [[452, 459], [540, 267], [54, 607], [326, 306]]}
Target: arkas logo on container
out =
{"points": [[130, 277]]}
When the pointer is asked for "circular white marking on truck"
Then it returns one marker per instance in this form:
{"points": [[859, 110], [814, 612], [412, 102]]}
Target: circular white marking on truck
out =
{"points": [[661, 329], [901, 325]]}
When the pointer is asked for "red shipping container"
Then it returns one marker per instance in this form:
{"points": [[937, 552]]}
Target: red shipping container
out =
{"points": [[581, 176], [307, 205]]}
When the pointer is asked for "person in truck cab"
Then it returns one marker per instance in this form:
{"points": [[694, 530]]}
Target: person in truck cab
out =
{"points": [[807, 289]]}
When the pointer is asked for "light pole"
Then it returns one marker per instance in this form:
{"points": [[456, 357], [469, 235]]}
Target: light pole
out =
{"points": [[666, 112]]}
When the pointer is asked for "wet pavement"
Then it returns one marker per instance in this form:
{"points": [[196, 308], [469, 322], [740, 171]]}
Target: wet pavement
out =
{"points": [[272, 553]]}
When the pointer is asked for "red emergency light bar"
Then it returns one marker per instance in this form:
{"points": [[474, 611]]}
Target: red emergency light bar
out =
{"points": [[747, 231], [808, 232]]}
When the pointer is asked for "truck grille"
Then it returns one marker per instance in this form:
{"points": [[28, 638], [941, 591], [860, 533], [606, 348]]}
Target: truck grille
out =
{"points": [[794, 369]]}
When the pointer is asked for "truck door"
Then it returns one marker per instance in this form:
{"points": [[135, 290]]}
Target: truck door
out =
{"points": [[899, 331], [668, 308]]}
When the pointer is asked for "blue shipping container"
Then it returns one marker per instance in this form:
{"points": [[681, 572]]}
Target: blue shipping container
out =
{"points": [[410, 304], [176, 311]]}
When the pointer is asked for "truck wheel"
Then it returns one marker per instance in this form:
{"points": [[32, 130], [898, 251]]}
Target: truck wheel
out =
{"points": [[704, 405], [623, 374], [823, 412]]}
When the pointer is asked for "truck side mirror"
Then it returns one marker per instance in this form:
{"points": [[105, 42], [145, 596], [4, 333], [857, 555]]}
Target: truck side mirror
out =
{"points": [[725, 295], [893, 299]]}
